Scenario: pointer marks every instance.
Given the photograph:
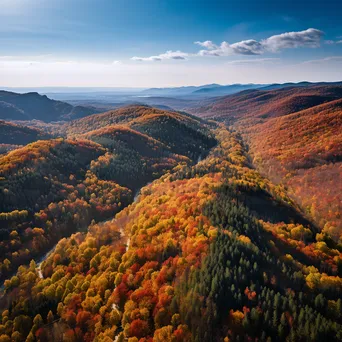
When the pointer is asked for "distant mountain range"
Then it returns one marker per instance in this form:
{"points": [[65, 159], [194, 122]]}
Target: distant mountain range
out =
{"points": [[204, 90], [32, 106], [180, 91], [226, 90], [211, 90]]}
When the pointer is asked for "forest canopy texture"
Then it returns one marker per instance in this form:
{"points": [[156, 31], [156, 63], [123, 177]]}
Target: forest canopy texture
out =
{"points": [[142, 224]]}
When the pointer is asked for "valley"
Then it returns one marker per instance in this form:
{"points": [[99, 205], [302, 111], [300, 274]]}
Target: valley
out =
{"points": [[150, 224], [170, 171]]}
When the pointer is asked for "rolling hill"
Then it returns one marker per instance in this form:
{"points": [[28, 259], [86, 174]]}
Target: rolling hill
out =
{"points": [[123, 115], [208, 252], [47, 191], [294, 136], [261, 104], [14, 134], [24, 183], [134, 158], [52, 188], [304, 149], [178, 131], [109, 136]]}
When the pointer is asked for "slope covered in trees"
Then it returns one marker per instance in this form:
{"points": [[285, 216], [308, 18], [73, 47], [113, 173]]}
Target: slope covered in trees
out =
{"points": [[52, 188], [305, 149], [48, 191], [133, 158], [295, 138], [181, 136], [262, 104], [208, 252], [29, 173], [125, 115], [13, 135], [180, 133]]}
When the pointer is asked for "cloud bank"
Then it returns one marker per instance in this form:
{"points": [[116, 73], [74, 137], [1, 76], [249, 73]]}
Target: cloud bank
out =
{"points": [[175, 55], [310, 38]]}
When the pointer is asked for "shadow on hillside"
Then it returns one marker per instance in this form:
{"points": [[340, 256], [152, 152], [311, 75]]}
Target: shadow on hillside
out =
{"points": [[263, 206]]}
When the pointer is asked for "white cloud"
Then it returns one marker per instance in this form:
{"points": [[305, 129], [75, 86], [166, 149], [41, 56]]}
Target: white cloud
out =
{"points": [[216, 53], [309, 38], [254, 61], [208, 44], [332, 42], [331, 59], [247, 47], [175, 55], [223, 50]]}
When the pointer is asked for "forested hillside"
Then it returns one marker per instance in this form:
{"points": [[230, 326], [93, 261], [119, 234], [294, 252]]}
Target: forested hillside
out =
{"points": [[134, 158], [13, 135], [294, 135], [126, 115], [262, 104], [48, 191], [52, 188], [208, 252], [142, 201]]}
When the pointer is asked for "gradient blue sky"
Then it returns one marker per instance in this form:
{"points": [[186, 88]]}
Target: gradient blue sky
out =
{"points": [[152, 43]]}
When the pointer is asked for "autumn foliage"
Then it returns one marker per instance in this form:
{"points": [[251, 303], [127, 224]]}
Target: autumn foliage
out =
{"points": [[212, 251]]}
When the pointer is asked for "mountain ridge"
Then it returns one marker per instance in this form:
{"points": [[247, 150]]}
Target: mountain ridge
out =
{"points": [[29, 106], [212, 242], [90, 173], [294, 134]]}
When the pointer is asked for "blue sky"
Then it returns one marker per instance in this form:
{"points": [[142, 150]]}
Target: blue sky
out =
{"points": [[168, 43]]}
